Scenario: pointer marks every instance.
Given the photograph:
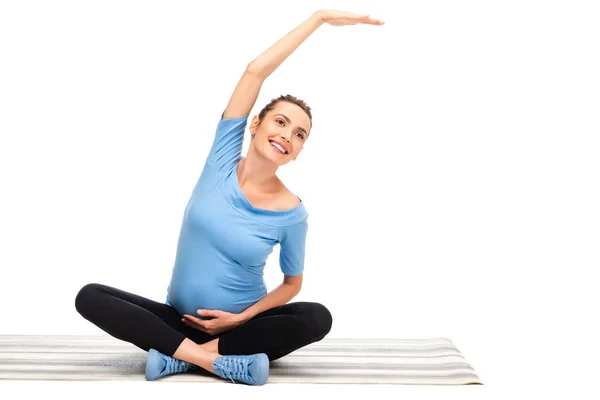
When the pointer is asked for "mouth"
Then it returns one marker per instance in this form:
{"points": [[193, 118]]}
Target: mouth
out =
{"points": [[277, 147]]}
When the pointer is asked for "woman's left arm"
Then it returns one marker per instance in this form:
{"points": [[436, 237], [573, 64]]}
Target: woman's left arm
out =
{"points": [[279, 296]]}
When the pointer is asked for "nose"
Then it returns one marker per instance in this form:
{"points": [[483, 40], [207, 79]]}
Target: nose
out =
{"points": [[285, 138]]}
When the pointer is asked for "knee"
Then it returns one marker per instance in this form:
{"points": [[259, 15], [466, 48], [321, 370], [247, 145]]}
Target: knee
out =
{"points": [[86, 296], [321, 320]]}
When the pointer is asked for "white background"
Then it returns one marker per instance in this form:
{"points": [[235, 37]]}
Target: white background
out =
{"points": [[451, 177]]}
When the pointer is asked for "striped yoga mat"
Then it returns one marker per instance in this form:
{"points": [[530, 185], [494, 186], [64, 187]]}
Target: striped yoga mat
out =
{"points": [[386, 361]]}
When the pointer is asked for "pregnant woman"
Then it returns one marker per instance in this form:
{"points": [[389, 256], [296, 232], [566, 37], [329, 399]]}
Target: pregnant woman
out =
{"points": [[218, 315]]}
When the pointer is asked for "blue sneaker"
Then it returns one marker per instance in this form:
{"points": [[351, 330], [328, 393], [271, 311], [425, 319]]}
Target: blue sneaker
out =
{"points": [[159, 365], [251, 370]]}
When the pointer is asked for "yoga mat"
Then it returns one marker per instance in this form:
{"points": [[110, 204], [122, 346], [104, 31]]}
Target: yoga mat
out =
{"points": [[434, 361]]}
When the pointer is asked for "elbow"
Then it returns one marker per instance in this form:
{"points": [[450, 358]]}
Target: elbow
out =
{"points": [[294, 289], [294, 283], [253, 69], [297, 290]]}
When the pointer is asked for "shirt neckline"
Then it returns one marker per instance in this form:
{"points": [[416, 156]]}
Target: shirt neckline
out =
{"points": [[237, 199], [240, 192]]}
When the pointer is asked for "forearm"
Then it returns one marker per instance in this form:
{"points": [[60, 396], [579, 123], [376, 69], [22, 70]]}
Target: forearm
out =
{"points": [[270, 59], [277, 297]]}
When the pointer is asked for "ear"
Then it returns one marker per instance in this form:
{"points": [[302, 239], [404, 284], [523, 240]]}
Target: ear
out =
{"points": [[254, 124]]}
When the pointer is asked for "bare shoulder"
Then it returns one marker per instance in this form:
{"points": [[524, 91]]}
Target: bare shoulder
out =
{"points": [[287, 199], [291, 200]]}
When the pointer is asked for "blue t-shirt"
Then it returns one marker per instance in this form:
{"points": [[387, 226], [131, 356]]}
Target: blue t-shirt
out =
{"points": [[225, 241]]}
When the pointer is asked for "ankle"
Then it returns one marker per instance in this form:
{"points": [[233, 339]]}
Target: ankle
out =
{"points": [[211, 347]]}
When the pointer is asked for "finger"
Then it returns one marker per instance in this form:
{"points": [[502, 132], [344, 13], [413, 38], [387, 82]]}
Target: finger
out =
{"points": [[351, 15], [193, 325], [371, 22], [346, 17], [209, 313], [194, 319], [342, 22], [367, 20]]}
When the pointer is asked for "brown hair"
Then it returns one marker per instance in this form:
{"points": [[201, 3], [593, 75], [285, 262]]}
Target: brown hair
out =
{"points": [[289, 98]]}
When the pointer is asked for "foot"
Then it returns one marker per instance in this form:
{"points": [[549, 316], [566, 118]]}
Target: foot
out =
{"points": [[159, 365], [251, 370]]}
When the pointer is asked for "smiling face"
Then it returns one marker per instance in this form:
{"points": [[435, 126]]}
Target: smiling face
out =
{"points": [[287, 125]]}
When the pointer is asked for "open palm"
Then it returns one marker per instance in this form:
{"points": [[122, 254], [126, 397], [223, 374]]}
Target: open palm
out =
{"points": [[339, 18]]}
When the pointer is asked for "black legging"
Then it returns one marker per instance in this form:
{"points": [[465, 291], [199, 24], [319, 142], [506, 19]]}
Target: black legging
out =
{"points": [[150, 324]]}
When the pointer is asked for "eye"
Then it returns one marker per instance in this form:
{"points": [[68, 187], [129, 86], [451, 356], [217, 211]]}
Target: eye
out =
{"points": [[300, 133]]}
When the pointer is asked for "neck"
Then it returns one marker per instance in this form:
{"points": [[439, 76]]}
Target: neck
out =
{"points": [[257, 173]]}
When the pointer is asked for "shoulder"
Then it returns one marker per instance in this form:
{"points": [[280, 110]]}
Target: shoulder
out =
{"points": [[291, 200], [286, 199]]}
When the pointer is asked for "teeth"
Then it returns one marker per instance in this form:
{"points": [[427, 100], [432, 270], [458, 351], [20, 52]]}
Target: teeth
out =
{"points": [[278, 147]]}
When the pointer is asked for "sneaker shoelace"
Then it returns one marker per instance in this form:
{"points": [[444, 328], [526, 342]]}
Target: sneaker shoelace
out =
{"points": [[235, 368], [177, 366]]}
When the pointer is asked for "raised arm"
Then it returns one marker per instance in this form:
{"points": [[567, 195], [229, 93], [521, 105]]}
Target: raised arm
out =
{"points": [[246, 92]]}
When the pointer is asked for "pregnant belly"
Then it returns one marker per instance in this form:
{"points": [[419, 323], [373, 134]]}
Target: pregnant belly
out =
{"points": [[187, 297]]}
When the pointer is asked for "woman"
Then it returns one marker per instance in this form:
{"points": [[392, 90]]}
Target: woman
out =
{"points": [[218, 315]]}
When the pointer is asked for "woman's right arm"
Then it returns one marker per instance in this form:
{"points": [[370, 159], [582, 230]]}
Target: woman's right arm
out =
{"points": [[244, 96], [272, 58], [246, 92]]}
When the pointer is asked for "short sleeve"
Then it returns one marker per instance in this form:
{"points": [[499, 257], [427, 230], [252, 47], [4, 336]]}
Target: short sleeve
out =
{"points": [[226, 149], [292, 240]]}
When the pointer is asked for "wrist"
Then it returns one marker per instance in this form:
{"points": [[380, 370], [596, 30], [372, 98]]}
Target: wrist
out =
{"points": [[242, 318], [318, 15]]}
